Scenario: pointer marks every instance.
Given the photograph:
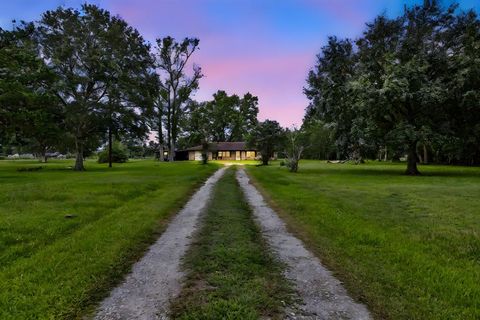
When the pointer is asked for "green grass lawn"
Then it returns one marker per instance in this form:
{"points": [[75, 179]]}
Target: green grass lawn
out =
{"points": [[55, 267], [408, 247], [231, 275]]}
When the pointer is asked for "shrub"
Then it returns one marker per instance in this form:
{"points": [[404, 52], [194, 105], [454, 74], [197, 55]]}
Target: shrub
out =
{"points": [[119, 153]]}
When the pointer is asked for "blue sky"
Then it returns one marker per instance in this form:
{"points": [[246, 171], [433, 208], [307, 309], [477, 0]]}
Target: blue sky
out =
{"points": [[265, 47]]}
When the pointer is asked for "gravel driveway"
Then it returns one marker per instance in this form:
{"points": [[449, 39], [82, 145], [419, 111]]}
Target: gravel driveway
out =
{"points": [[155, 279], [322, 295]]}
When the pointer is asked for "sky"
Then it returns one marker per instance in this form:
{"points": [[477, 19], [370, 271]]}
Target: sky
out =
{"points": [[265, 47]]}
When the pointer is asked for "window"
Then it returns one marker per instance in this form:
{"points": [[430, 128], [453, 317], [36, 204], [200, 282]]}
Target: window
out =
{"points": [[250, 154], [224, 154]]}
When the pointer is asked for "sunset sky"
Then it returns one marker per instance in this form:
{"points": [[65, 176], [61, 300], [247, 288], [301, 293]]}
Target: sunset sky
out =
{"points": [[265, 47]]}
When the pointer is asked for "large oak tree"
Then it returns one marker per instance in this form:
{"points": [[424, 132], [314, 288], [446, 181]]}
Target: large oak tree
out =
{"points": [[93, 54]]}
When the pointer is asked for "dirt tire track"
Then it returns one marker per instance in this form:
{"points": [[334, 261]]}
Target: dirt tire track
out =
{"points": [[156, 279], [322, 295]]}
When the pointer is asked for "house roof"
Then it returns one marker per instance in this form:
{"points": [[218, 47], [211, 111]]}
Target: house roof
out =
{"points": [[223, 146]]}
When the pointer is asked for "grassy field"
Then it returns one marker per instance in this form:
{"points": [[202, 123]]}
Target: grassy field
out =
{"points": [[231, 274], [409, 247], [52, 266]]}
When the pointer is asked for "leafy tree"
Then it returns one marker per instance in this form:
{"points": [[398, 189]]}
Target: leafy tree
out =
{"points": [[463, 91], [222, 111], [267, 138], [319, 140], [412, 90], [175, 87], [117, 153], [294, 147], [128, 101], [244, 117], [95, 56], [329, 92], [411, 83], [224, 118], [28, 107]]}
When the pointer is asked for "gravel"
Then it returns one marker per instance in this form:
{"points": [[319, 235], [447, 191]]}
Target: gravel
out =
{"points": [[322, 296], [156, 279]]}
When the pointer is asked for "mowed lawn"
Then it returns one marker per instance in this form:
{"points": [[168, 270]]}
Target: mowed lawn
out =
{"points": [[53, 266], [408, 247]]}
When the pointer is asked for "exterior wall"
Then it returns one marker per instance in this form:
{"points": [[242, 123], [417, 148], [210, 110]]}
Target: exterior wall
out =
{"points": [[220, 155], [197, 155]]}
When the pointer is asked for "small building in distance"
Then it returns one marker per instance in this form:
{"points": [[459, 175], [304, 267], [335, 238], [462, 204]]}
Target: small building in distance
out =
{"points": [[223, 151]]}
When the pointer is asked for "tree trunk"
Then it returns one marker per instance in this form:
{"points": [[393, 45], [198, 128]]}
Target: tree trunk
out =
{"points": [[412, 160], [425, 154], [79, 159], [160, 152], [204, 152], [160, 138], [171, 153], [265, 159], [110, 140], [44, 155], [386, 153]]}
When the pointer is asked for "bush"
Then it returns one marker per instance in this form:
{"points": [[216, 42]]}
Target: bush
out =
{"points": [[119, 153]]}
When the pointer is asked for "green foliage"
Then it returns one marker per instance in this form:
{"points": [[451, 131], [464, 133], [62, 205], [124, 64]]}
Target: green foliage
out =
{"points": [[267, 138], [29, 109], [410, 81], [101, 78], [231, 273], [319, 140], [120, 153], [295, 141], [328, 90], [225, 118], [408, 248], [174, 88]]}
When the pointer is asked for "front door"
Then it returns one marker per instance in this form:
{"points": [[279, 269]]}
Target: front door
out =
{"points": [[237, 156]]}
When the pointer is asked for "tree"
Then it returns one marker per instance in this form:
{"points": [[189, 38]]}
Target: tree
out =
{"points": [[175, 87], [129, 96], [412, 91], [28, 106], [117, 153], [329, 92], [267, 138], [200, 127], [411, 83], [92, 54], [294, 147], [221, 112], [319, 140], [224, 118], [244, 117], [463, 91]]}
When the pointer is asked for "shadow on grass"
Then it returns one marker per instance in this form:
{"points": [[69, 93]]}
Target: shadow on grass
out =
{"points": [[393, 170]]}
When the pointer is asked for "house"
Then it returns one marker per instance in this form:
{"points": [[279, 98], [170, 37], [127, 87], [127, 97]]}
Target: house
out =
{"points": [[224, 151]]}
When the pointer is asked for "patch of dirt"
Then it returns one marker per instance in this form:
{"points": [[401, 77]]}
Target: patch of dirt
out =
{"points": [[321, 295]]}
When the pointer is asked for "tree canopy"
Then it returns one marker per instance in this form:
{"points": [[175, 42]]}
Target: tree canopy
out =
{"points": [[407, 83], [268, 138], [102, 65], [224, 118]]}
